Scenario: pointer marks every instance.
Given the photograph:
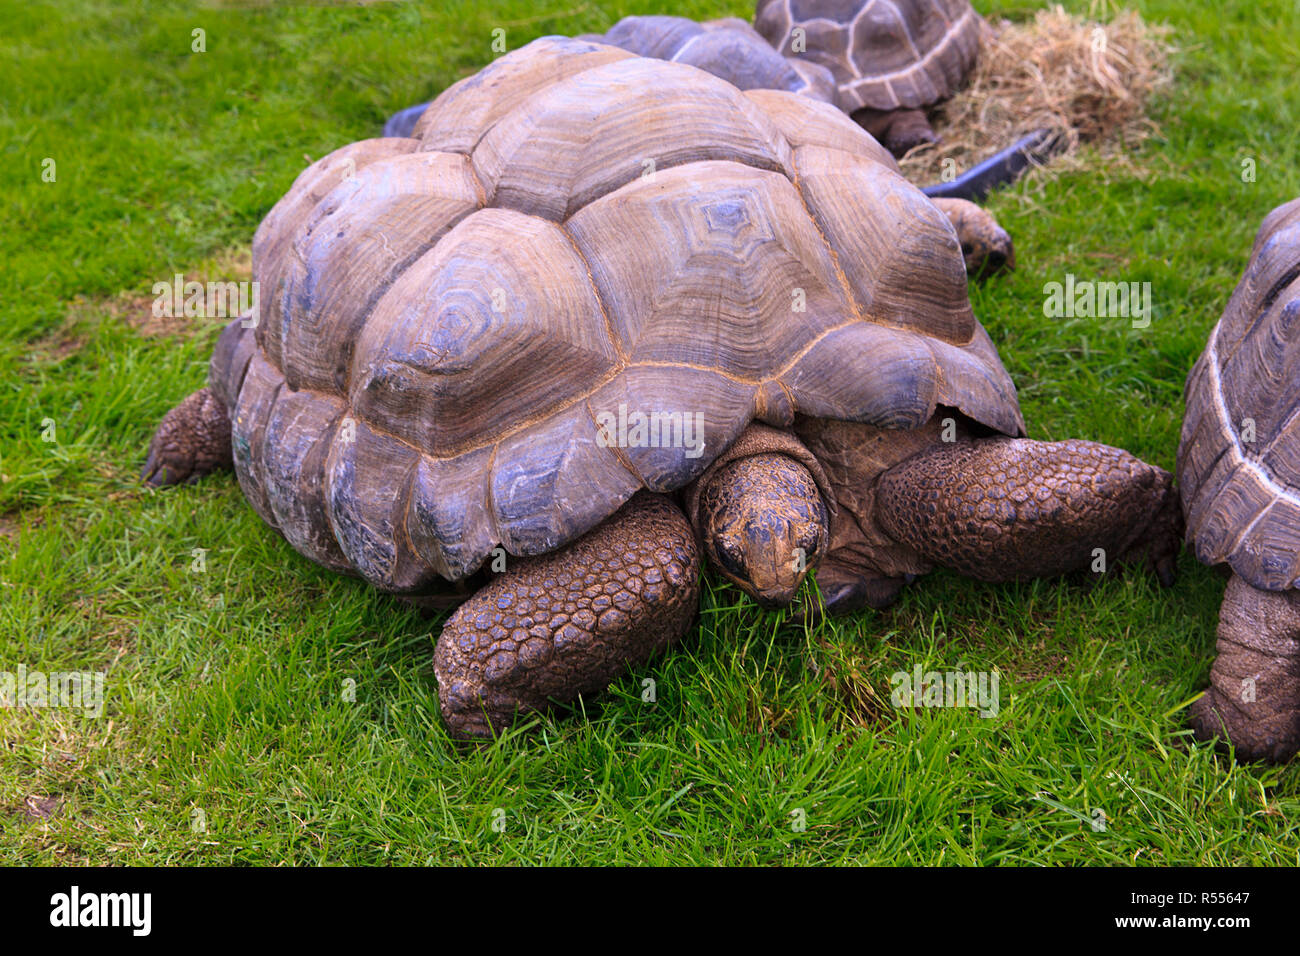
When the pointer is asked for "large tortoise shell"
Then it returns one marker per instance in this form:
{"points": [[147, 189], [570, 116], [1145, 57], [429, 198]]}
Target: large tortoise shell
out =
{"points": [[884, 54], [1239, 457], [576, 232]]}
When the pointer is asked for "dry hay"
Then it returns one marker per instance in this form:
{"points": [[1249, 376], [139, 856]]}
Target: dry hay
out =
{"points": [[1088, 80]]}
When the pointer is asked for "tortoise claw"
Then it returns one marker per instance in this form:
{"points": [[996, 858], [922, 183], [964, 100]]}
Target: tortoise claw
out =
{"points": [[192, 440]]}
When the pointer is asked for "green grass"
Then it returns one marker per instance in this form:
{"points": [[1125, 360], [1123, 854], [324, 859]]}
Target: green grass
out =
{"points": [[226, 688]]}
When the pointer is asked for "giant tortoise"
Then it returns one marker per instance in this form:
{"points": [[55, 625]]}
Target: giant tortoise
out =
{"points": [[606, 313], [1239, 477]]}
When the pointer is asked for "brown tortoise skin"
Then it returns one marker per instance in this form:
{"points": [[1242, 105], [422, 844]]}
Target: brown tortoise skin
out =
{"points": [[1004, 509], [567, 623], [192, 440], [985, 245], [764, 525], [1254, 694]]}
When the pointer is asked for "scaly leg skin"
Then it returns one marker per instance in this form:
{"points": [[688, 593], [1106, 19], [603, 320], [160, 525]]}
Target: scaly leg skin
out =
{"points": [[1254, 694], [192, 440], [1002, 509], [897, 130], [985, 245], [567, 623]]}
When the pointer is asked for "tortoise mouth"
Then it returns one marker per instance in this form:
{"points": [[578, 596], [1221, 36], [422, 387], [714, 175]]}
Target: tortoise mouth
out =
{"points": [[770, 598], [774, 599], [994, 263]]}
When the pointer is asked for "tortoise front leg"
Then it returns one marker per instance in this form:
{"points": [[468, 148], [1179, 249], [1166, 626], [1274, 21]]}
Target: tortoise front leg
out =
{"points": [[568, 623], [192, 440], [1254, 694], [1001, 509]]}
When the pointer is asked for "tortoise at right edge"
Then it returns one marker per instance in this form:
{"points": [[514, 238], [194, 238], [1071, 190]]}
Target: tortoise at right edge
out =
{"points": [[1239, 477], [455, 320]]}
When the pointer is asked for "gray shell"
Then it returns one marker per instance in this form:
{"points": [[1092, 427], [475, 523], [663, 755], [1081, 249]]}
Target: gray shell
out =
{"points": [[729, 48], [571, 231], [884, 54], [1239, 457]]}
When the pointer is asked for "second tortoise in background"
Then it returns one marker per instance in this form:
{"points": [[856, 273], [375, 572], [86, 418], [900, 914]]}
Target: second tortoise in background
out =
{"points": [[891, 59]]}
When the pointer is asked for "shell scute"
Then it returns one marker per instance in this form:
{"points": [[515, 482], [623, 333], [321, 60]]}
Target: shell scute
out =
{"points": [[667, 423], [298, 435], [912, 278], [579, 140], [745, 259], [497, 325], [457, 119], [355, 243], [274, 239], [449, 521], [541, 476], [366, 474]]}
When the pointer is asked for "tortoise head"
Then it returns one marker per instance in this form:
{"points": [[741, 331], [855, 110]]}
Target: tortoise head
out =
{"points": [[764, 524]]}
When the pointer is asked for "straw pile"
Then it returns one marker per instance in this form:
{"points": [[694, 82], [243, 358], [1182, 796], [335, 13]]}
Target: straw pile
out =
{"points": [[1087, 79]]}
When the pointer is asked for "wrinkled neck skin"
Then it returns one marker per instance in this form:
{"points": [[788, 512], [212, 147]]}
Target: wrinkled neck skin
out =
{"points": [[854, 456], [764, 524]]}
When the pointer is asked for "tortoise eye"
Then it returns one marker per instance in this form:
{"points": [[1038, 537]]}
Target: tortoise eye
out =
{"points": [[810, 544], [730, 557]]}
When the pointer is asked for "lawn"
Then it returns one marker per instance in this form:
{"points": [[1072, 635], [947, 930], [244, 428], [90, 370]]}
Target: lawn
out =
{"points": [[260, 710]]}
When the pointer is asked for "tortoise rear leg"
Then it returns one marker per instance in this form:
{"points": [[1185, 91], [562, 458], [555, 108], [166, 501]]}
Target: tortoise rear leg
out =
{"points": [[192, 440], [568, 623], [1001, 509], [1254, 694], [897, 130]]}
